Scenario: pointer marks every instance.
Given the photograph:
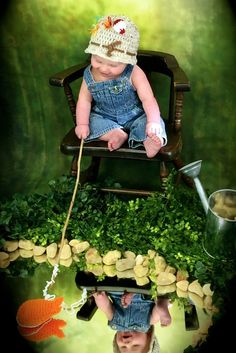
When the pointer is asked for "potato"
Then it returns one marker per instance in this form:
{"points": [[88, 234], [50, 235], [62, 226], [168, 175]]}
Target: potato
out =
{"points": [[183, 285], [51, 250], [26, 253], [161, 290], [207, 290], [165, 278], [11, 245], [198, 301], [4, 259], [196, 288], [39, 250]]}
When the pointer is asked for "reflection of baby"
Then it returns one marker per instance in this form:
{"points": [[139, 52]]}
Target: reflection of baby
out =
{"points": [[133, 316]]}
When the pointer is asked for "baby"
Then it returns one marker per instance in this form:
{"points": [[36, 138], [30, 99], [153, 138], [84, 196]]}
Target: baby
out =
{"points": [[139, 342], [133, 317], [116, 102]]}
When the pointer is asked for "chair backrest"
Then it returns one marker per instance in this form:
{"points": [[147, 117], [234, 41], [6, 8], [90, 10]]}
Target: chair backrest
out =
{"points": [[167, 65]]}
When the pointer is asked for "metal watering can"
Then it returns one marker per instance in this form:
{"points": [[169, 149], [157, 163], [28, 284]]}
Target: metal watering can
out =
{"points": [[220, 209]]}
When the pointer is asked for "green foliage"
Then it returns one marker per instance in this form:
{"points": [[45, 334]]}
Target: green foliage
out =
{"points": [[171, 223], [21, 268]]}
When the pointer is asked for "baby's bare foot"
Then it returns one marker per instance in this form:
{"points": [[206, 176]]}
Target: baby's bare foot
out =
{"points": [[115, 138], [126, 299], [152, 145]]}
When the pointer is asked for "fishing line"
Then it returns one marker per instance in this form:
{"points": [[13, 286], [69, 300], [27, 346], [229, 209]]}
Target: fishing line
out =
{"points": [[56, 270]]}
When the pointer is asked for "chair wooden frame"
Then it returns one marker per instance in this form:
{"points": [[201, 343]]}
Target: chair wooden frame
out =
{"points": [[149, 61], [88, 281]]}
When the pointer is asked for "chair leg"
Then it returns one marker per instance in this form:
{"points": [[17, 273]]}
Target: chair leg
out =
{"points": [[87, 311], [191, 317], [164, 172], [88, 175], [73, 168]]}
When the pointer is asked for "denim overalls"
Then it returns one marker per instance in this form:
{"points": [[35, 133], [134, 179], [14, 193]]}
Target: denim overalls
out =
{"points": [[117, 105], [136, 317]]}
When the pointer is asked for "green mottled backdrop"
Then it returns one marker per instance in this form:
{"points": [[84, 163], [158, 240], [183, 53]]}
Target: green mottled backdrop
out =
{"points": [[41, 37]]}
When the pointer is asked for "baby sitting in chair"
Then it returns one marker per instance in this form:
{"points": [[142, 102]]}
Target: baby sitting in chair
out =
{"points": [[116, 102]]}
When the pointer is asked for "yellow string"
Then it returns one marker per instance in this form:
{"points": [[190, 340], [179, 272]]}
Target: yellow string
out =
{"points": [[72, 200], [56, 268]]}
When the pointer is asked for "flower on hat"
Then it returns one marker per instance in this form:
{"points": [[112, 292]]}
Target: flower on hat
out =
{"points": [[119, 26], [94, 29], [108, 22]]}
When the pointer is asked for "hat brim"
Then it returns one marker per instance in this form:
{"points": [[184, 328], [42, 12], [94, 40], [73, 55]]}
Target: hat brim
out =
{"points": [[102, 52]]}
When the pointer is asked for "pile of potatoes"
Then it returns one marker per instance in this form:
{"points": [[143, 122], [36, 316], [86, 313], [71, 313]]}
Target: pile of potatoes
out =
{"points": [[143, 268], [225, 205]]}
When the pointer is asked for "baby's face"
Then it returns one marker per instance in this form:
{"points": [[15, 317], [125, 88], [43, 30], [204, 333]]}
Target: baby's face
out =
{"points": [[132, 342], [107, 69]]}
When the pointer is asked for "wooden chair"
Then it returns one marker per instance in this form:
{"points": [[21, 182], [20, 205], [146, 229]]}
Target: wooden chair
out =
{"points": [[153, 63], [109, 284], [113, 284]]}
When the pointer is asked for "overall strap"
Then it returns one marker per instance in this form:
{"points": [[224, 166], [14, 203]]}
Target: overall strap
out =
{"points": [[87, 75], [127, 71]]}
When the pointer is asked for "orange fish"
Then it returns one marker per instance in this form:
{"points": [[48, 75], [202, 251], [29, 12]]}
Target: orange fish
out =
{"points": [[52, 327], [35, 312]]}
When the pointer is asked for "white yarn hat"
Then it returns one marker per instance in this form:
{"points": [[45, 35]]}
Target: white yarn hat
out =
{"points": [[115, 38], [154, 346]]}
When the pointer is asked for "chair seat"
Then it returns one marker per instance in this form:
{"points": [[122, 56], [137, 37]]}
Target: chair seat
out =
{"points": [[113, 284], [70, 146]]}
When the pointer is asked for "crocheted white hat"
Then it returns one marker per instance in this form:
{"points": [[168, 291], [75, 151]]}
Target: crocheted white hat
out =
{"points": [[115, 38], [154, 346]]}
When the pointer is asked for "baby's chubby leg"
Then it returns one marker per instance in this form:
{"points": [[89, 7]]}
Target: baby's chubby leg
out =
{"points": [[104, 304], [101, 299], [160, 312], [115, 138], [163, 305]]}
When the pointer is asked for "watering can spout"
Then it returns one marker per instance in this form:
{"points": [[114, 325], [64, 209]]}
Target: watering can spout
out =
{"points": [[192, 170]]}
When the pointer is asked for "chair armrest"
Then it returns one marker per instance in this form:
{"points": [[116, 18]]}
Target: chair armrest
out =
{"points": [[180, 80], [68, 75]]}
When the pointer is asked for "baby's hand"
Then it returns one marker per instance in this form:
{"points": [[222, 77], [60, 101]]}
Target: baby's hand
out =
{"points": [[152, 129], [82, 131]]}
